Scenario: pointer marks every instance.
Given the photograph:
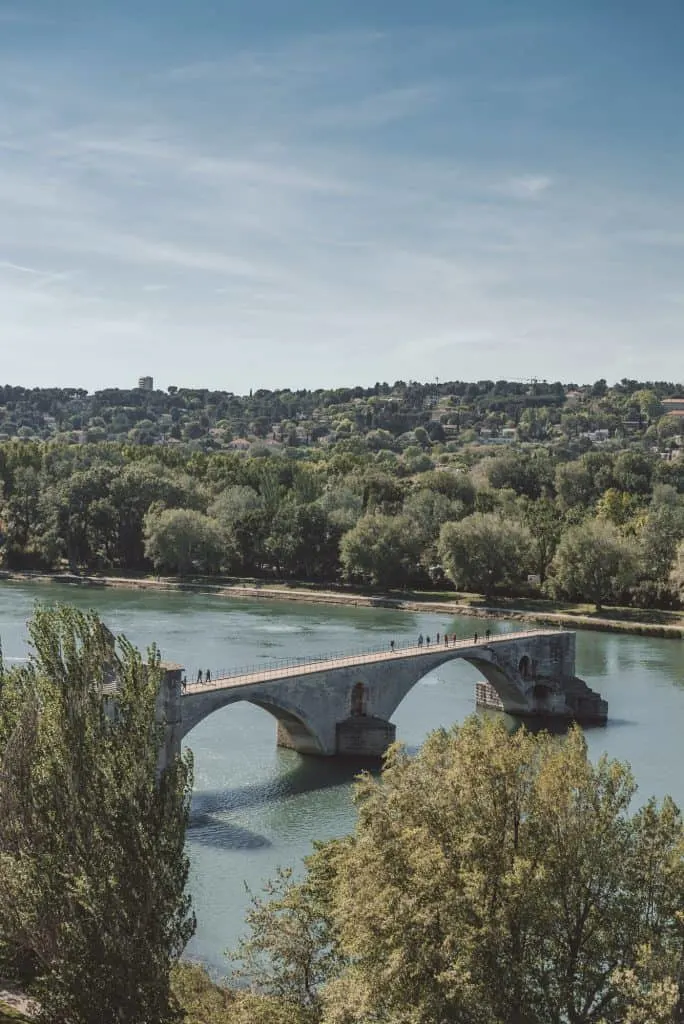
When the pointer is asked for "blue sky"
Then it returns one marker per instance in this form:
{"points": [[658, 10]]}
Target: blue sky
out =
{"points": [[262, 193]]}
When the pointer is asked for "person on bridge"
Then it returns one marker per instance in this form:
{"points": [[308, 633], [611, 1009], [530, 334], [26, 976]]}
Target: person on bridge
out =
{"points": [[391, 645], [420, 640], [207, 676], [427, 641], [475, 638], [199, 675], [437, 639], [487, 635], [446, 639], [184, 683]]}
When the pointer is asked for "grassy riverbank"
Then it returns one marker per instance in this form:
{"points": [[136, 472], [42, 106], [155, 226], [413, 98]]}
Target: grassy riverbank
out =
{"points": [[10, 1016], [643, 622]]}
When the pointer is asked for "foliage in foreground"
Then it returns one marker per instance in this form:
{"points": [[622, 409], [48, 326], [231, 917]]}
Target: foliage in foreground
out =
{"points": [[492, 879], [92, 863], [203, 1001]]}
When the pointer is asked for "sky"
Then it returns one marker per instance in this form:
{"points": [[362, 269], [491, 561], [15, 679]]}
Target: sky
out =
{"points": [[239, 194]]}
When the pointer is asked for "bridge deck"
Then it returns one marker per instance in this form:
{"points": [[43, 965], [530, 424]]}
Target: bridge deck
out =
{"points": [[245, 677]]}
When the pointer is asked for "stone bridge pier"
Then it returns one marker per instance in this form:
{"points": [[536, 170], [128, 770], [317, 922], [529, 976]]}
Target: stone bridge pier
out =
{"points": [[344, 707]]}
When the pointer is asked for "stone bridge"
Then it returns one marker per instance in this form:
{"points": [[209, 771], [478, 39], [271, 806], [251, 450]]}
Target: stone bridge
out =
{"points": [[344, 705]]}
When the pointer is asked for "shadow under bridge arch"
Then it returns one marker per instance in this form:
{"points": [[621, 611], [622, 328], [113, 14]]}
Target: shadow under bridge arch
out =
{"points": [[294, 729]]}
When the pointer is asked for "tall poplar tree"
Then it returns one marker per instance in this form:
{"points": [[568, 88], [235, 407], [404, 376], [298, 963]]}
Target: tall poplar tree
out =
{"points": [[93, 868]]}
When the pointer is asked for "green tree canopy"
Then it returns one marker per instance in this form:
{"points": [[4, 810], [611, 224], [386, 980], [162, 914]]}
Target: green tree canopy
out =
{"points": [[382, 549], [593, 561], [485, 551], [302, 541], [184, 541], [492, 879], [662, 530], [93, 870], [543, 520]]}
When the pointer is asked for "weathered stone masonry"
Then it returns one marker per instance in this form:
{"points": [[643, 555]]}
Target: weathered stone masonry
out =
{"points": [[345, 709]]}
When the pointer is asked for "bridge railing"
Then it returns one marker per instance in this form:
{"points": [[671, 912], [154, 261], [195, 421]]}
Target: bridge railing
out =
{"points": [[262, 672]]}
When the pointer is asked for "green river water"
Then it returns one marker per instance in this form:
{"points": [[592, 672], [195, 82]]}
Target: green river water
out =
{"points": [[256, 807]]}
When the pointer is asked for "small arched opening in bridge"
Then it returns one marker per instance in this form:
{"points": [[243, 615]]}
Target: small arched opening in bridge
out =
{"points": [[525, 667], [359, 701], [542, 695]]}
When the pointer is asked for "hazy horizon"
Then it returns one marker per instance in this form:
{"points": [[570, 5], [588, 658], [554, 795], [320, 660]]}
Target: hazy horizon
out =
{"points": [[159, 386]]}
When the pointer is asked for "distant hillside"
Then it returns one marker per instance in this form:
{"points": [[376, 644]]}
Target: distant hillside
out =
{"points": [[386, 415]]}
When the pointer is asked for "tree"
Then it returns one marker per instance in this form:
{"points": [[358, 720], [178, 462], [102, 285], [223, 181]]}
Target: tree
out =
{"points": [[529, 476], [543, 521], [617, 507], [383, 549], [593, 562], [381, 492], [93, 871], [650, 405], [456, 486], [342, 505], [428, 510], [633, 472], [496, 879], [662, 530], [140, 484], [233, 504], [574, 485], [302, 541], [240, 512], [184, 541], [677, 575], [290, 951], [484, 551]]}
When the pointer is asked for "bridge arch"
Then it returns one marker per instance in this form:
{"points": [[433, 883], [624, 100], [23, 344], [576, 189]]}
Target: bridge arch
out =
{"points": [[295, 730], [509, 686]]}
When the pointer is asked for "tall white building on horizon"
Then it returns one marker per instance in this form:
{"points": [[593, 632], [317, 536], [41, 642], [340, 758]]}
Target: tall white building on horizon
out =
{"points": [[146, 383]]}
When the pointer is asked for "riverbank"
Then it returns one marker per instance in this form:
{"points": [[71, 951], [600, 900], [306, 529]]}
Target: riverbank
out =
{"points": [[641, 622]]}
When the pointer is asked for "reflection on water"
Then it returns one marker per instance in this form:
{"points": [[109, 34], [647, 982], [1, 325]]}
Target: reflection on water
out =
{"points": [[256, 807], [209, 831], [308, 775]]}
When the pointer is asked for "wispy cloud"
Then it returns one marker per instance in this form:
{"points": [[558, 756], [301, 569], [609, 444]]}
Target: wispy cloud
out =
{"points": [[528, 186], [318, 210]]}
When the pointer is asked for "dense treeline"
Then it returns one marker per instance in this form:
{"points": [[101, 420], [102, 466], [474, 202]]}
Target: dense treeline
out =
{"points": [[604, 527]]}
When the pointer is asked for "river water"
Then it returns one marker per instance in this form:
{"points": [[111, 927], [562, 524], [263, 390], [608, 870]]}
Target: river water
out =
{"points": [[256, 807]]}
